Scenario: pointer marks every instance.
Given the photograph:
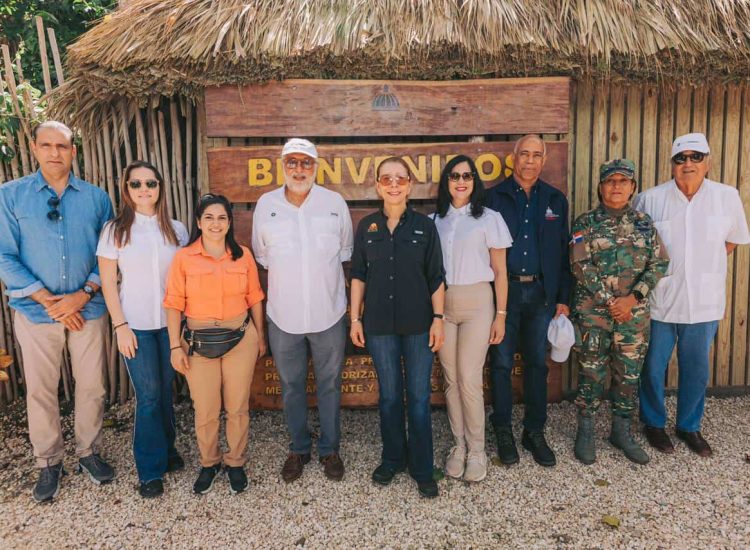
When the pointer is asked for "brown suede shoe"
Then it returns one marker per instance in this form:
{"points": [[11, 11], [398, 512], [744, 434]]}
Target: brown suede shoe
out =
{"points": [[658, 439], [695, 442], [333, 467], [293, 466]]}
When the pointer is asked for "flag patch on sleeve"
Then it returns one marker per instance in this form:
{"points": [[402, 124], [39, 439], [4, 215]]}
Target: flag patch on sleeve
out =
{"points": [[577, 237]]}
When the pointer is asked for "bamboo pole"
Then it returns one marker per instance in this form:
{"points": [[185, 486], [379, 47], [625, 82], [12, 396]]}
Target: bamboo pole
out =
{"points": [[56, 56], [140, 135], [123, 108], [172, 204], [177, 160], [11, 81], [43, 54], [188, 114], [66, 373], [107, 151], [28, 102], [116, 145], [10, 139]]}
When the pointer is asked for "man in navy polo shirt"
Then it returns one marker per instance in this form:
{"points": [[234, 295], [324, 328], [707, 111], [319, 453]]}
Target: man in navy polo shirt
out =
{"points": [[539, 287]]}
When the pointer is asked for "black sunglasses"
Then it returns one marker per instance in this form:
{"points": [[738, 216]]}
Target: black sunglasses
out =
{"points": [[681, 158], [466, 176], [54, 213], [136, 184]]}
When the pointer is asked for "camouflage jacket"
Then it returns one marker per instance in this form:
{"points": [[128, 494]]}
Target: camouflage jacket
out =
{"points": [[612, 256]]}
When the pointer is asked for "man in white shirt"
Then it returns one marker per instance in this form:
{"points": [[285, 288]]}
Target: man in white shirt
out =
{"points": [[700, 222], [301, 234]]}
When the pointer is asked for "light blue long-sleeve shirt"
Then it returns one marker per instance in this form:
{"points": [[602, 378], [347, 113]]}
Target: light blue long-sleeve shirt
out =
{"points": [[59, 255]]}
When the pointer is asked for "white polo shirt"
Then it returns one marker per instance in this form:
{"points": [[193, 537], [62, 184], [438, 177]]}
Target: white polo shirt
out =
{"points": [[303, 248], [694, 232], [144, 263], [466, 243]]}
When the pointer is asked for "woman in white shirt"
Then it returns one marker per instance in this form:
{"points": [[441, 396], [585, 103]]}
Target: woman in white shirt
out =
{"points": [[141, 242], [473, 239]]}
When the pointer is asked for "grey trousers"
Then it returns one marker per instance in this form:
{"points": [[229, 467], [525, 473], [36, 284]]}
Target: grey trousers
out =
{"points": [[290, 354]]}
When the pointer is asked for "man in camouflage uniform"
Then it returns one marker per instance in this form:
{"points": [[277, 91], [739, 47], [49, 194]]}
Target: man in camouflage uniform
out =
{"points": [[617, 259]]}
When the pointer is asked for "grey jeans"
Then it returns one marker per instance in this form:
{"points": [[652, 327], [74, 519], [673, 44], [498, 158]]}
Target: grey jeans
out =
{"points": [[290, 354]]}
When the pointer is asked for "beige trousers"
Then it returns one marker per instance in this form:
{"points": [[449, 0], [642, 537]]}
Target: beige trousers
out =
{"points": [[226, 378], [42, 346], [469, 312]]}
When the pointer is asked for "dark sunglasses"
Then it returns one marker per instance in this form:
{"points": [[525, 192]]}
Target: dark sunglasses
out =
{"points": [[136, 184], [466, 176], [54, 213], [681, 158]]}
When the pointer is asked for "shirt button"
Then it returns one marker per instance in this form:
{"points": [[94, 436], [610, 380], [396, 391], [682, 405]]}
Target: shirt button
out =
{"points": [[525, 236], [523, 269], [525, 221], [391, 258], [391, 277], [524, 253], [63, 276], [61, 237], [63, 257], [390, 297]]}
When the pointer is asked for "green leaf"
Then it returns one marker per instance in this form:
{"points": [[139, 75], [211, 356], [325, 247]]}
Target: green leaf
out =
{"points": [[612, 521], [437, 474], [601, 483]]}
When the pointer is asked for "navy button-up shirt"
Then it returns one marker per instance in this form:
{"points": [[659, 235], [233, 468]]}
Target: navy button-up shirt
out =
{"points": [[523, 257], [59, 255]]}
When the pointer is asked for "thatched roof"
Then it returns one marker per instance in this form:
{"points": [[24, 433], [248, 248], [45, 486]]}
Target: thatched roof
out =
{"points": [[180, 46]]}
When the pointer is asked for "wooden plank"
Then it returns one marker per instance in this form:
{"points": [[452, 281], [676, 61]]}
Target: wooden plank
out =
{"points": [[582, 157], [616, 132], [633, 140], [599, 136], [42, 41], [737, 155], [666, 135], [648, 137], [684, 103], [56, 56], [243, 174], [389, 108], [700, 110]]}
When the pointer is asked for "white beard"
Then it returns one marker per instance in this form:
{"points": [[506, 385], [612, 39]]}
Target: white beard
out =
{"points": [[299, 188]]}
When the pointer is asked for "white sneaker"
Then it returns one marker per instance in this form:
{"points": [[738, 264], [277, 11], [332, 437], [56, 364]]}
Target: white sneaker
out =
{"points": [[476, 466], [456, 461]]}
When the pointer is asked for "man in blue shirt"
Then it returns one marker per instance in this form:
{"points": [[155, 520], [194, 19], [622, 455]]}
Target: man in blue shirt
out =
{"points": [[49, 227], [539, 287]]}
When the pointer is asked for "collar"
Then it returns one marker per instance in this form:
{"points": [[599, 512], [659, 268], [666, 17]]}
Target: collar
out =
{"points": [[465, 210], [605, 212], [196, 249], [304, 202], [407, 213], [142, 219], [40, 183]]}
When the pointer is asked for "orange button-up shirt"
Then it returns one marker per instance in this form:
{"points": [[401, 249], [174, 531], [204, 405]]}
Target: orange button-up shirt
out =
{"points": [[208, 288]]}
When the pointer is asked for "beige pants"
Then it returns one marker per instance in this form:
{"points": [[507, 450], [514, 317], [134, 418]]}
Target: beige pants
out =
{"points": [[42, 347], [228, 378], [469, 312]]}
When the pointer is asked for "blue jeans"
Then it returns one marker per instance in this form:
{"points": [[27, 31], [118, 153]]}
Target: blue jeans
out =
{"points": [[387, 352], [693, 343], [527, 321], [152, 375], [290, 354]]}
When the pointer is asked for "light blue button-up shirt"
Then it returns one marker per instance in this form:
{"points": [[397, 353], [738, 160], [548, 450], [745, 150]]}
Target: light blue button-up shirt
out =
{"points": [[59, 255]]}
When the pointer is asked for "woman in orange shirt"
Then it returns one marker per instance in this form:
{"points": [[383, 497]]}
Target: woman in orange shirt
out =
{"points": [[214, 282]]}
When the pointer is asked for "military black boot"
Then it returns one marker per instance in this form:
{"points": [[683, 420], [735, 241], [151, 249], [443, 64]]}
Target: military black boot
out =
{"points": [[585, 448]]}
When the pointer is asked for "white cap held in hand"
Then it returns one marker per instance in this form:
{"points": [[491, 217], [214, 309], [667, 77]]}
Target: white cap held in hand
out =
{"points": [[562, 336]]}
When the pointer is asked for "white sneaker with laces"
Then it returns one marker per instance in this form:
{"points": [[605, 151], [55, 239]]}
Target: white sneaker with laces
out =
{"points": [[456, 461], [476, 466]]}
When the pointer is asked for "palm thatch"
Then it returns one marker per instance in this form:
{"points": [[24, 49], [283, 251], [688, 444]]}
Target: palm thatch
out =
{"points": [[155, 47]]}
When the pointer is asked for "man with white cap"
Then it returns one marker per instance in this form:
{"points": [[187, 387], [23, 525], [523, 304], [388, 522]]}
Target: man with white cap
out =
{"points": [[302, 233], [700, 222]]}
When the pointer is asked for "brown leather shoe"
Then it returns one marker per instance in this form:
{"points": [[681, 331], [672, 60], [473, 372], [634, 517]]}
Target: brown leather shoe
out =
{"points": [[695, 442], [333, 467], [658, 439], [293, 466]]}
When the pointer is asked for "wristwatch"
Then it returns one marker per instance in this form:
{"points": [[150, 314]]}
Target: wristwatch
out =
{"points": [[437, 315], [89, 291]]}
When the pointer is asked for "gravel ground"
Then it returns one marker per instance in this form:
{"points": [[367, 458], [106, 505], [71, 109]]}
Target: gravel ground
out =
{"points": [[677, 501]]}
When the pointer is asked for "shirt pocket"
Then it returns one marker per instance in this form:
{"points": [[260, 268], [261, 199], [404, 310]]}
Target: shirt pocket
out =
{"points": [[278, 238], [326, 232], [198, 280], [717, 229], [375, 248], [235, 282], [415, 246]]}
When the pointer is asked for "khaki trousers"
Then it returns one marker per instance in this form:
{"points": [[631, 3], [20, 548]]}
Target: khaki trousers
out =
{"points": [[42, 346], [226, 378], [469, 312]]}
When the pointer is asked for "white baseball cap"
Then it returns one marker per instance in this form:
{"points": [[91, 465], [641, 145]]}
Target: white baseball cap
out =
{"points": [[690, 142], [562, 336], [298, 145]]}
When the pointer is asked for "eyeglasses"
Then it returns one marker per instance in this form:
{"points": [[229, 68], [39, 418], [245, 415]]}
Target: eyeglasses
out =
{"points": [[387, 181], [136, 184], [466, 176], [305, 164], [54, 213], [681, 158]]}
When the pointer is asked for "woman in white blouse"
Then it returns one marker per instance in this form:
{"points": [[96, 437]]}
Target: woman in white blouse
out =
{"points": [[473, 239], [141, 242]]}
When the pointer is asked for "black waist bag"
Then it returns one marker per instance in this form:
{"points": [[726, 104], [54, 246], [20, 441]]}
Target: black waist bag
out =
{"points": [[213, 342]]}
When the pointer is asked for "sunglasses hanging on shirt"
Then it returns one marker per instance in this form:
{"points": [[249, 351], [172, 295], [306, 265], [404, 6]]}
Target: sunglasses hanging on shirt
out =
{"points": [[54, 213]]}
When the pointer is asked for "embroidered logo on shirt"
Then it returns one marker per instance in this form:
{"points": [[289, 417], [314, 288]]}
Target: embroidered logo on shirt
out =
{"points": [[418, 232], [550, 215], [577, 237], [335, 214], [373, 228]]}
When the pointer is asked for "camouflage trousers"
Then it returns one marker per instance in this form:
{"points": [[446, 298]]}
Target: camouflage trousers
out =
{"points": [[609, 347]]}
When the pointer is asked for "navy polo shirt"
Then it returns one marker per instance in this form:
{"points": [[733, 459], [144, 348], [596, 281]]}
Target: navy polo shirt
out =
{"points": [[523, 257]]}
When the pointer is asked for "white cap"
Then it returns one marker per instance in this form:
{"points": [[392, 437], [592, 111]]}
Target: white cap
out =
{"points": [[298, 145], [690, 142], [562, 336]]}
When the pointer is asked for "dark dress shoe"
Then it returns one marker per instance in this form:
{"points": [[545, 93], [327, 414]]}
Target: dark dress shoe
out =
{"points": [[535, 443], [696, 443], [333, 466], [658, 439], [175, 463], [293, 466], [383, 474], [506, 445], [151, 489], [428, 489]]}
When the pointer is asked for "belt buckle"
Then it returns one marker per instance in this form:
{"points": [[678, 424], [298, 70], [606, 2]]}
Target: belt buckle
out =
{"points": [[526, 278]]}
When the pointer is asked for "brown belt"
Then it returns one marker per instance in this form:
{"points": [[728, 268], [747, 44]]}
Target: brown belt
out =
{"points": [[524, 278]]}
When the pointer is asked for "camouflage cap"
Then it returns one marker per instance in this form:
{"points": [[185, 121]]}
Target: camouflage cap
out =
{"points": [[625, 167]]}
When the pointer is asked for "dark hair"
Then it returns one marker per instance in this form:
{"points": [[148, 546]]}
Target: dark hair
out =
{"points": [[476, 199], [397, 160], [204, 202], [120, 227]]}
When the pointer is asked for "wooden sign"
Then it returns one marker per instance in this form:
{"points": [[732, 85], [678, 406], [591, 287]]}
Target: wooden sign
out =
{"points": [[243, 174], [389, 108], [359, 384]]}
